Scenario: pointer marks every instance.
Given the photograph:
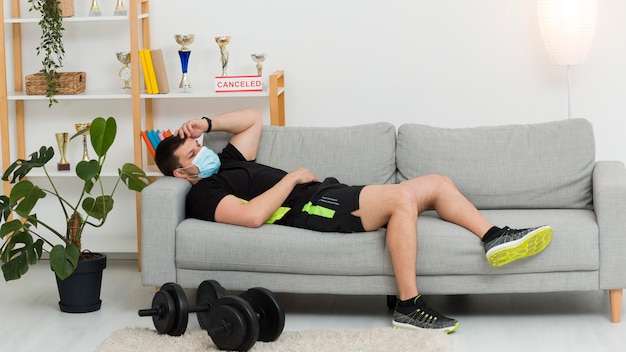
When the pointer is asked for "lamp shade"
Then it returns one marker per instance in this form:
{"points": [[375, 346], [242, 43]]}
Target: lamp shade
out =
{"points": [[567, 27]]}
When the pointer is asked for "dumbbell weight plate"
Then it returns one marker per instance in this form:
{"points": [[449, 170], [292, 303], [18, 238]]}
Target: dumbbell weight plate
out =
{"points": [[271, 313], [165, 320], [243, 325], [181, 313], [208, 293]]}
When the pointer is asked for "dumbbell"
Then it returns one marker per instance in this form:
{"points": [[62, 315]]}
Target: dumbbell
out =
{"points": [[170, 310], [234, 323]]}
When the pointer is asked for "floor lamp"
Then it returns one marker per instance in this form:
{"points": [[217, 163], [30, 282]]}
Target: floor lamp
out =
{"points": [[567, 27]]}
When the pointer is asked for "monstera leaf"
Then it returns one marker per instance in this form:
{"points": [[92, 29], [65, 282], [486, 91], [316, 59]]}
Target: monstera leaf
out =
{"points": [[25, 196], [134, 177], [98, 207], [20, 168], [64, 260], [18, 252], [102, 133]]}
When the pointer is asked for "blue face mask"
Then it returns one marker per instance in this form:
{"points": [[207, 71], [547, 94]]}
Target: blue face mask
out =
{"points": [[207, 162]]}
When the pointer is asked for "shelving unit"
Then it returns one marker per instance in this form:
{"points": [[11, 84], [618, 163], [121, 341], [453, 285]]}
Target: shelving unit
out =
{"points": [[138, 22]]}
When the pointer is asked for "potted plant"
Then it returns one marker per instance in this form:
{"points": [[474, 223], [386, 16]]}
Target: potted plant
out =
{"points": [[25, 240], [51, 44]]}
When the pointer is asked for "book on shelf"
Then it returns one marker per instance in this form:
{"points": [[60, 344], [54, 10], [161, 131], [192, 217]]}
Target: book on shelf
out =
{"points": [[145, 70], [159, 71], [146, 140], [149, 76], [152, 138]]}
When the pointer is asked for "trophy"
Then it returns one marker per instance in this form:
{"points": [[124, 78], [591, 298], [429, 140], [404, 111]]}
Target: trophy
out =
{"points": [[83, 128], [120, 10], [124, 58], [95, 9], [258, 58], [184, 53], [61, 137], [222, 41]]}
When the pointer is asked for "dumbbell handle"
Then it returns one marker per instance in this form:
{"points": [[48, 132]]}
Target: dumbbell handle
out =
{"points": [[222, 329], [192, 309], [199, 308], [149, 312], [205, 308]]}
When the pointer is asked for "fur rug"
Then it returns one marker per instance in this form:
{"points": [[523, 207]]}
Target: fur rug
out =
{"points": [[379, 339]]}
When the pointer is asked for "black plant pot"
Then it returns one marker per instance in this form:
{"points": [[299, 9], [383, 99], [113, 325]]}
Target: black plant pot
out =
{"points": [[80, 292]]}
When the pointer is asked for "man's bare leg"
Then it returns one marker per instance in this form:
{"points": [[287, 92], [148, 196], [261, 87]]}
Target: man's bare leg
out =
{"points": [[394, 205], [439, 192], [398, 207]]}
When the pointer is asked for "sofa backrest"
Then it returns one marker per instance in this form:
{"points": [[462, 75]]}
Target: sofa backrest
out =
{"points": [[546, 165], [355, 155]]}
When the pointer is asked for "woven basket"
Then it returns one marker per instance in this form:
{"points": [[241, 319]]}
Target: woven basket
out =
{"points": [[70, 83], [67, 8]]}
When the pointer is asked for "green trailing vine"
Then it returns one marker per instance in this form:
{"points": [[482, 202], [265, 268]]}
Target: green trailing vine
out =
{"points": [[51, 45]]}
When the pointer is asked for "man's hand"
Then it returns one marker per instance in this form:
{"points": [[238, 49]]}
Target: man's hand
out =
{"points": [[192, 128], [301, 176]]}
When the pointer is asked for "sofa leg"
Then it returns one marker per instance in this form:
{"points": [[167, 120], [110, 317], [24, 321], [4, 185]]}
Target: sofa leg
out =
{"points": [[615, 298]]}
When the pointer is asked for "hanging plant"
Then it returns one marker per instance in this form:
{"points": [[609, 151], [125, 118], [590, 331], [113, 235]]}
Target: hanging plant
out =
{"points": [[51, 45]]}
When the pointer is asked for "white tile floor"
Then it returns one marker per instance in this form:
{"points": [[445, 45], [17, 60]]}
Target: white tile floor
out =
{"points": [[575, 321]]}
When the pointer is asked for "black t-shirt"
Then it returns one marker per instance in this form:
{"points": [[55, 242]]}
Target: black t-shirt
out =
{"points": [[243, 179]]}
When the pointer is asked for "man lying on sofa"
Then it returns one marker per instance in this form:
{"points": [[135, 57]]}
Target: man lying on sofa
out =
{"points": [[231, 188]]}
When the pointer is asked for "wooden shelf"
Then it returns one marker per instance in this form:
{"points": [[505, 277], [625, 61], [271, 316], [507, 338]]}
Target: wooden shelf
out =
{"points": [[119, 94], [138, 22], [35, 20]]}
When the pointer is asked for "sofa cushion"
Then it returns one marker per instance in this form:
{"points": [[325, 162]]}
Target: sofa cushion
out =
{"points": [[443, 248], [355, 155], [448, 249], [546, 165], [277, 249]]}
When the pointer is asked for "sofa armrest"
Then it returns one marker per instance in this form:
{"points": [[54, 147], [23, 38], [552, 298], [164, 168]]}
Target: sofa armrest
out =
{"points": [[162, 209], [609, 202]]}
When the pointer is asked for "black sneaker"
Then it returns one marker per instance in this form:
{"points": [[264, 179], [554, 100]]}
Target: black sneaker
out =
{"points": [[514, 244], [420, 316]]}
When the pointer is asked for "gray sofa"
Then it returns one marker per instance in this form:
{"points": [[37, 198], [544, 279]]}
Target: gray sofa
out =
{"points": [[517, 175]]}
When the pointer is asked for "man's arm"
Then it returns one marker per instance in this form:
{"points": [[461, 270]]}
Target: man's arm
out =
{"points": [[232, 210], [245, 125]]}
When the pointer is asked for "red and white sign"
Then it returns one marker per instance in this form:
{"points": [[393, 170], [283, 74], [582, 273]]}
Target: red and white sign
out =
{"points": [[238, 84]]}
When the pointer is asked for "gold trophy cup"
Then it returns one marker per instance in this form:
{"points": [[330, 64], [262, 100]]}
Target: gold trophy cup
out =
{"points": [[120, 10], [183, 40], [61, 137], [83, 128], [125, 73], [95, 9], [258, 58], [222, 41]]}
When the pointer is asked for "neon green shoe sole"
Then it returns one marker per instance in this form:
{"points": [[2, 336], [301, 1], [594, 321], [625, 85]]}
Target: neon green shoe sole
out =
{"points": [[406, 326], [512, 249]]}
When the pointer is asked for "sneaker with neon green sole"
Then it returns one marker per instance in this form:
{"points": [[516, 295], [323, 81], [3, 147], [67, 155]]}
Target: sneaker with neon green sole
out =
{"points": [[514, 244], [420, 316]]}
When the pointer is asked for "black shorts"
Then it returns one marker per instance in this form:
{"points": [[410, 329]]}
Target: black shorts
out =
{"points": [[330, 209]]}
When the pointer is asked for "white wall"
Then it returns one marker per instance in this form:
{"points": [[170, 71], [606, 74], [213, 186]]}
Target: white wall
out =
{"points": [[449, 63]]}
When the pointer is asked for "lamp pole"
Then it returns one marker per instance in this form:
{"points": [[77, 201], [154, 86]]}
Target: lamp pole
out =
{"points": [[569, 91]]}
